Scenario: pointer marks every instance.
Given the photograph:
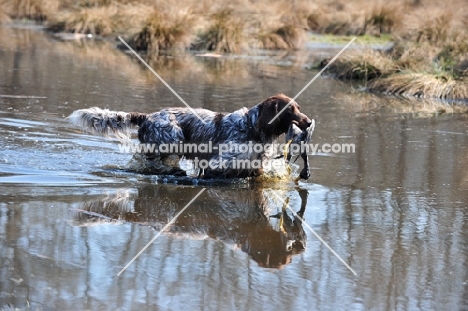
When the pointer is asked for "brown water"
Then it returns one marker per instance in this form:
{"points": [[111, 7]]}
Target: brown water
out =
{"points": [[70, 218]]}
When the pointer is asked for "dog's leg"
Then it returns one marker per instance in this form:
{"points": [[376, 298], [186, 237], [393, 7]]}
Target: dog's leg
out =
{"points": [[305, 173], [283, 214], [304, 195], [200, 174], [307, 135]]}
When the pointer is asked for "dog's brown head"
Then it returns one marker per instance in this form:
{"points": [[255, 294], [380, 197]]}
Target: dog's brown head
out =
{"points": [[274, 121]]}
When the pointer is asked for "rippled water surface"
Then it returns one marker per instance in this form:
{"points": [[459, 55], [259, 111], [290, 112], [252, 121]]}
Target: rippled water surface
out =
{"points": [[71, 217]]}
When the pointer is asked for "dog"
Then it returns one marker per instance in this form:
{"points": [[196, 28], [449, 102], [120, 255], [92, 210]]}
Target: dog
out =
{"points": [[201, 126]]}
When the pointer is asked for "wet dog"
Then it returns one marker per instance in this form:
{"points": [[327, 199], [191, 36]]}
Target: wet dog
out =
{"points": [[180, 126]]}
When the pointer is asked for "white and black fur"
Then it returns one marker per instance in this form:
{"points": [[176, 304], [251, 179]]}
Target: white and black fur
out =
{"points": [[175, 125]]}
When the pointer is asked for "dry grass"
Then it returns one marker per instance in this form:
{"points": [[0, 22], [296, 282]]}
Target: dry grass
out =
{"points": [[163, 30], [100, 20], [421, 85], [38, 10], [340, 23], [284, 38], [285, 34], [428, 59], [418, 71], [147, 28], [225, 33], [361, 65], [258, 25], [333, 17], [4, 18], [95, 20], [431, 40], [354, 18], [382, 19]]}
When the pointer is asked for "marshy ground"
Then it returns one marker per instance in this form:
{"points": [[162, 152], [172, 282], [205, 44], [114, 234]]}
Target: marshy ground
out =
{"points": [[428, 58]]}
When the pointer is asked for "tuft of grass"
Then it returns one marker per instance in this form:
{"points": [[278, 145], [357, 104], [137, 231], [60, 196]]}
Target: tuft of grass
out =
{"points": [[288, 36], [353, 18], [361, 65], [461, 69], [340, 23], [284, 38], [421, 85], [94, 20], [335, 20], [163, 30], [38, 10], [382, 19], [434, 30], [4, 18], [415, 72], [413, 57], [279, 30], [271, 41], [427, 61], [93, 3], [227, 32], [342, 40]]}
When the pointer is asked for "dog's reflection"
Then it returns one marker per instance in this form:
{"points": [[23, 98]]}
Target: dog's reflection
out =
{"points": [[257, 220]]}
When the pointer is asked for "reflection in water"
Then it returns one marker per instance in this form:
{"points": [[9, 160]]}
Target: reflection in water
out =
{"points": [[250, 219]]}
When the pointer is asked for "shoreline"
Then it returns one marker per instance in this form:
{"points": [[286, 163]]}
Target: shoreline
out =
{"points": [[427, 60]]}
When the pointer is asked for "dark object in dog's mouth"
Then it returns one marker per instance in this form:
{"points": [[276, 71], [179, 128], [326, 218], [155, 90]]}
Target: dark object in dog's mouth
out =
{"points": [[296, 136]]}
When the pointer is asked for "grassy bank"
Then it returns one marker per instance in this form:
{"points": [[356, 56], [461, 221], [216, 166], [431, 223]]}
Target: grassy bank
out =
{"points": [[409, 69], [153, 26], [428, 59], [210, 24]]}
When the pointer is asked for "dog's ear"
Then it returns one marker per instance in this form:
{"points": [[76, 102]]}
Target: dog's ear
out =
{"points": [[268, 109]]}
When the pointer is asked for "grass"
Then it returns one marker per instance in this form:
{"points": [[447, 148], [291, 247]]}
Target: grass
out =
{"points": [[94, 20], [163, 31], [226, 32], [282, 30], [383, 18], [218, 26], [343, 39], [409, 73], [421, 85], [4, 18], [429, 58], [285, 37], [361, 65], [38, 10]]}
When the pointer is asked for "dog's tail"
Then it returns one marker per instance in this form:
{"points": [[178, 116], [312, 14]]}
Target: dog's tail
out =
{"points": [[104, 122]]}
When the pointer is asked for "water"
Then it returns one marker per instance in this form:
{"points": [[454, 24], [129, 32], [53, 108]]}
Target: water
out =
{"points": [[396, 210]]}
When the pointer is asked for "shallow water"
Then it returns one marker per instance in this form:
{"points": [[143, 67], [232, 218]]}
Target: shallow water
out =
{"points": [[396, 210]]}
